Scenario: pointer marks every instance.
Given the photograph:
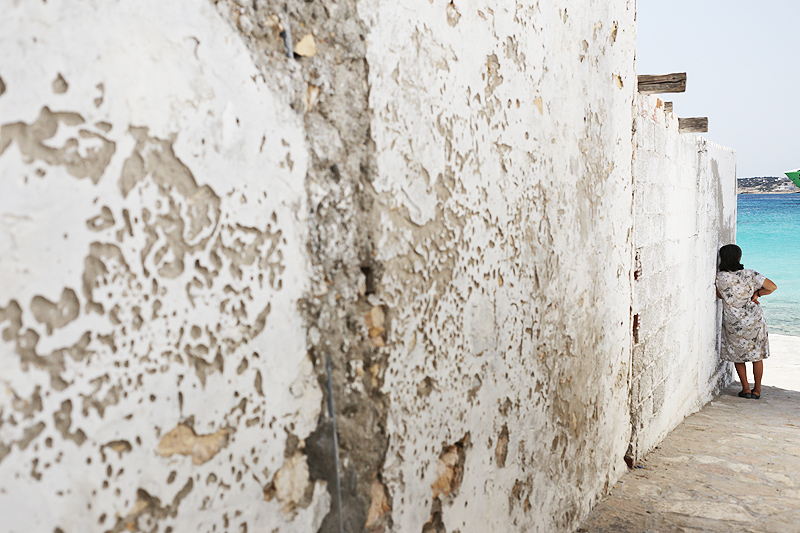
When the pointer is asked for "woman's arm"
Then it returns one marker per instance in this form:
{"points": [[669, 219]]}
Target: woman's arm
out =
{"points": [[767, 288]]}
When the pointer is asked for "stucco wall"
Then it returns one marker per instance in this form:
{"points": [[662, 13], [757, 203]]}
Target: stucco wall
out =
{"points": [[437, 196], [152, 234], [504, 226], [685, 198]]}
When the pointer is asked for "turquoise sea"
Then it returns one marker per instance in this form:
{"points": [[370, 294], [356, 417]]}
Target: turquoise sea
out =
{"points": [[768, 231]]}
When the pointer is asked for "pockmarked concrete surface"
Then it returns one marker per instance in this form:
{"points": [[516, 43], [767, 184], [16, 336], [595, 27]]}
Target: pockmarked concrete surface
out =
{"points": [[734, 466]]}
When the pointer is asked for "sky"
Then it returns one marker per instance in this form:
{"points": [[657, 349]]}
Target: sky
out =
{"points": [[742, 60]]}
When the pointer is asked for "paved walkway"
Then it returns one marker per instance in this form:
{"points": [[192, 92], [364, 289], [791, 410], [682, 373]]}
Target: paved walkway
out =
{"points": [[733, 467]]}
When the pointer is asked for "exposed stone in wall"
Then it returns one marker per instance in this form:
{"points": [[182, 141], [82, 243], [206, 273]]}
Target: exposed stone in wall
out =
{"points": [[685, 209], [420, 227], [329, 88], [153, 235], [184, 441]]}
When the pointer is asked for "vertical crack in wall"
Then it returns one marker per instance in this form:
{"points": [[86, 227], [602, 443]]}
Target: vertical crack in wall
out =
{"points": [[329, 86]]}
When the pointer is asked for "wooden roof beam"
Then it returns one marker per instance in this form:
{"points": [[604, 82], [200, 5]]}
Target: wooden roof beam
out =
{"points": [[665, 83], [693, 125]]}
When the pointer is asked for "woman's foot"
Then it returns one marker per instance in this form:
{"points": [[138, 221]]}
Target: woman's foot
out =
{"points": [[745, 394], [755, 395]]}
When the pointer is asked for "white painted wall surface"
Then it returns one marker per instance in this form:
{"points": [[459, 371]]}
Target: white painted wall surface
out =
{"points": [[685, 198], [503, 147], [156, 245], [152, 187]]}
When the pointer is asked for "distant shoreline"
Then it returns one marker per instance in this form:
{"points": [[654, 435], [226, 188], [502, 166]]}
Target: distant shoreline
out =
{"points": [[747, 191], [766, 185]]}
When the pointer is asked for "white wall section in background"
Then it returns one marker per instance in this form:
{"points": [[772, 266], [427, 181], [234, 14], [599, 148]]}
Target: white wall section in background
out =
{"points": [[685, 198]]}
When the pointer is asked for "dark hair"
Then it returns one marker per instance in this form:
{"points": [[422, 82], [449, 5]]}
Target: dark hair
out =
{"points": [[729, 257]]}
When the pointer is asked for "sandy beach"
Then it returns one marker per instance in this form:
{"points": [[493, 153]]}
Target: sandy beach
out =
{"points": [[782, 368]]}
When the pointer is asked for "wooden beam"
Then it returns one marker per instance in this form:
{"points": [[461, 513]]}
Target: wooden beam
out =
{"points": [[693, 125], [668, 107], [666, 83]]}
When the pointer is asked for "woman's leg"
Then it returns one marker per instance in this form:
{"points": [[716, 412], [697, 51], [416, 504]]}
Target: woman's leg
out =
{"points": [[758, 371], [742, 371]]}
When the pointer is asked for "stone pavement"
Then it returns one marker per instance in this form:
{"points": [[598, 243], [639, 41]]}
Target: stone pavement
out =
{"points": [[733, 467]]}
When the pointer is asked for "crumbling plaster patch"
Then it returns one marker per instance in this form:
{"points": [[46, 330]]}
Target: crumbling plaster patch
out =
{"points": [[327, 84], [153, 231], [503, 216]]}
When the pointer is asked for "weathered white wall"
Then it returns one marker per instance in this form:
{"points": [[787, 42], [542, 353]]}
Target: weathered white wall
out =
{"points": [[438, 196], [685, 198], [152, 236], [504, 227]]}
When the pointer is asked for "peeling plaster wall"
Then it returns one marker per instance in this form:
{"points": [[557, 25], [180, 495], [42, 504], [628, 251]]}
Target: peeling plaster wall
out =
{"points": [[685, 199], [153, 230], [436, 195], [503, 224]]}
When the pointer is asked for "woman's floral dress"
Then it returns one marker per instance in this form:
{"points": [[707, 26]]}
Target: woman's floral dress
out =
{"points": [[744, 330]]}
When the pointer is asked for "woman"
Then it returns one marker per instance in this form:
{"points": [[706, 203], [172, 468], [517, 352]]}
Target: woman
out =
{"points": [[744, 330]]}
